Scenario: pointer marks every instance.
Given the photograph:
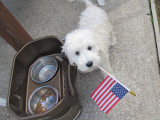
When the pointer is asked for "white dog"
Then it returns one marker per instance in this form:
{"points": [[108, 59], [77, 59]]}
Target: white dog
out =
{"points": [[87, 47]]}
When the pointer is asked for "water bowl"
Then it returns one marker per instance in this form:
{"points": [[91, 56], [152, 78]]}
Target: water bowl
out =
{"points": [[44, 69]]}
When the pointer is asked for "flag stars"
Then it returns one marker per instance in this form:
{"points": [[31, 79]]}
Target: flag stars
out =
{"points": [[119, 90]]}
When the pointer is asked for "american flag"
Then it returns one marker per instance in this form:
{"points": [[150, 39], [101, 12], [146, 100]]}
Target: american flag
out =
{"points": [[108, 93]]}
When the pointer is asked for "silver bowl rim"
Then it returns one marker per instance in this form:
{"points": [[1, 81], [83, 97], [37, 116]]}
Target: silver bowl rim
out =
{"points": [[44, 57], [29, 101]]}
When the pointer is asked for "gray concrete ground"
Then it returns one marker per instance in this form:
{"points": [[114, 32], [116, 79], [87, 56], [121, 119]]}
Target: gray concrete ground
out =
{"points": [[134, 58]]}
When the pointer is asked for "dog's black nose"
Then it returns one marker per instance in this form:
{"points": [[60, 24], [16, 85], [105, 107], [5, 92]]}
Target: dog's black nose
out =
{"points": [[89, 64]]}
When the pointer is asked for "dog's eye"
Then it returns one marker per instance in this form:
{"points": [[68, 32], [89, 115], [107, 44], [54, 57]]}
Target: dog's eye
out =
{"points": [[89, 48], [77, 52]]}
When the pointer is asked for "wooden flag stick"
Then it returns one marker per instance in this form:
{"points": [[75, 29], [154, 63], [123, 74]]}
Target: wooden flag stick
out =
{"points": [[117, 81]]}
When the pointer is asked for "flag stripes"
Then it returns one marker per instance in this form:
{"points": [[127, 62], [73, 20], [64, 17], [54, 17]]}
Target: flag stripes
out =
{"points": [[100, 86], [108, 94], [112, 105]]}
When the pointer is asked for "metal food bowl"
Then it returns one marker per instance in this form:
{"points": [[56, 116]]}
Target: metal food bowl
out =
{"points": [[44, 69], [42, 99]]}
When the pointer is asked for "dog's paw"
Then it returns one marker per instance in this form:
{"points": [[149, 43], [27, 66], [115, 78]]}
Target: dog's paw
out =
{"points": [[113, 41], [101, 2]]}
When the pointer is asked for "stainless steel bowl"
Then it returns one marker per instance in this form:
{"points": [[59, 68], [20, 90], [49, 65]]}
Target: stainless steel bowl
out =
{"points": [[44, 69], [42, 99]]}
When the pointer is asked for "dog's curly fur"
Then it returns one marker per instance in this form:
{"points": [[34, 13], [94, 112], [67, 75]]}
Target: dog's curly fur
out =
{"points": [[88, 45]]}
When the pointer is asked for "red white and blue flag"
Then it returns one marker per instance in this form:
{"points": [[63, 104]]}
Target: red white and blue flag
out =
{"points": [[108, 93]]}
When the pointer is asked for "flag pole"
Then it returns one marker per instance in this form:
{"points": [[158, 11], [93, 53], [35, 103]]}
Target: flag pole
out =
{"points": [[117, 81]]}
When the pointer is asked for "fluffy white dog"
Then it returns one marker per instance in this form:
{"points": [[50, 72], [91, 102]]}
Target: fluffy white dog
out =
{"points": [[87, 47]]}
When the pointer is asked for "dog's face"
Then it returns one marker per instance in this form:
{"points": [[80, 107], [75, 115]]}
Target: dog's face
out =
{"points": [[82, 50]]}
